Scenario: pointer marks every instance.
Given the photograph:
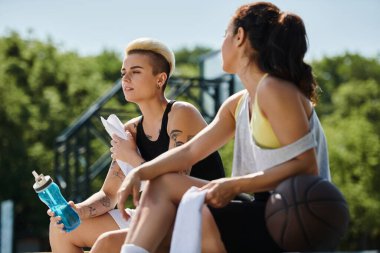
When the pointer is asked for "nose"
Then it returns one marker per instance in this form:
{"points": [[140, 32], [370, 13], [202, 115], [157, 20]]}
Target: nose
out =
{"points": [[126, 78]]}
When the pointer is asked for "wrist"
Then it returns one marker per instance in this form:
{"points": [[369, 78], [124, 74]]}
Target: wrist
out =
{"points": [[236, 186], [81, 211]]}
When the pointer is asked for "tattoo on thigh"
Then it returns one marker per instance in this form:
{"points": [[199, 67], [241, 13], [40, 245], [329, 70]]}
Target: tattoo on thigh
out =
{"points": [[105, 201], [174, 136]]}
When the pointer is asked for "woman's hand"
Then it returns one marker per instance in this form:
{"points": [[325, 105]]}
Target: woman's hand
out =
{"points": [[122, 149], [56, 220], [220, 192], [130, 186]]}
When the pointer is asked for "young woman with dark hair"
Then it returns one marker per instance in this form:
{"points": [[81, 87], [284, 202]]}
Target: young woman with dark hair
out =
{"points": [[277, 135]]}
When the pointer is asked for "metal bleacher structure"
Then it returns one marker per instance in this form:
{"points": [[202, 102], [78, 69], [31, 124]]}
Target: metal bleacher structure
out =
{"points": [[82, 150]]}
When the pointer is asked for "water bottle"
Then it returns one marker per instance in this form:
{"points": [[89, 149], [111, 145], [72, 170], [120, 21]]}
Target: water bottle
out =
{"points": [[49, 193]]}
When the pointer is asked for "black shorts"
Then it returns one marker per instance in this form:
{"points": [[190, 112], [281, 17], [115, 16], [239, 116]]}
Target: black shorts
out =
{"points": [[242, 225]]}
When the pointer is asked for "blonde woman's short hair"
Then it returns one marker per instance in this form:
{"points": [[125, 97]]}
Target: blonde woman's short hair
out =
{"points": [[153, 45]]}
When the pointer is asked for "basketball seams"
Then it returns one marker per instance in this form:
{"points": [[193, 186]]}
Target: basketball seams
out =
{"points": [[314, 226], [313, 213], [286, 220], [339, 201], [298, 216]]}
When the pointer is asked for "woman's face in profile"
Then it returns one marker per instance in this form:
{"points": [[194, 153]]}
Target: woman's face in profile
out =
{"points": [[137, 77], [228, 50]]}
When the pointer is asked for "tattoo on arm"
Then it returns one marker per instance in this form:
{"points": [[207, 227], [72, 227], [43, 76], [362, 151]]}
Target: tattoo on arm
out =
{"points": [[189, 137], [106, 202], [92, 211], [174, 135], [116, 171], [113, 165], [119, 174], [134, 125]]}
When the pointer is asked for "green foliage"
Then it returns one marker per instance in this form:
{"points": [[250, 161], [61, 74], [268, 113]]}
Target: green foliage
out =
{"points": [[331, 72], [227, 153], [352, 130]]}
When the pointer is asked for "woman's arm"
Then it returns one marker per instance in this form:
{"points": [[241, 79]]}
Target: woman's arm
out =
{"points": [[204, 143], [184, 122], [105, 199]]}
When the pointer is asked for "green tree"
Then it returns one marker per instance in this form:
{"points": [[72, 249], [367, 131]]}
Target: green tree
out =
{"points": [[352, 130], [331, 72]]}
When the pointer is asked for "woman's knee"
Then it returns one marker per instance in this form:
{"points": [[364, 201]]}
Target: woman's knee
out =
{"points": [[109, 242], [103, 241], [161, 181], [170, 185]]}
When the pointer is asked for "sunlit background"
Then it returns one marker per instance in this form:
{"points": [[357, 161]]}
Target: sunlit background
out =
{"points": [[60, 59]]}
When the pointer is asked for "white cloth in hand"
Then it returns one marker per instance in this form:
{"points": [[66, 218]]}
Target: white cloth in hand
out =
{"points": [[113, 125]]}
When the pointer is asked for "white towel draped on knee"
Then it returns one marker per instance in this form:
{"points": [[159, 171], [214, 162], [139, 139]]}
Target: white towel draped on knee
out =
{"points": [[187, 233]]}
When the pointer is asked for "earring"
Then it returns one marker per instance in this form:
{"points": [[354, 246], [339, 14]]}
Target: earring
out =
{"points": [[158, 86]]}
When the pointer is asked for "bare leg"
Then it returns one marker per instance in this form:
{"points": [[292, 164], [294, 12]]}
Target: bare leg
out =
{"points": [[156, 214], [110, 242], [83, 236]]}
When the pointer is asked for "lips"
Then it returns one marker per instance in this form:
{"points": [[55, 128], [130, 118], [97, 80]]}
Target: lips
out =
{"points": [[128, 88]]}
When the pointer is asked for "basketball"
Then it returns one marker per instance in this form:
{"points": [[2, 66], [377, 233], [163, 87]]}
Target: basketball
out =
{"points": [[306, 213]]}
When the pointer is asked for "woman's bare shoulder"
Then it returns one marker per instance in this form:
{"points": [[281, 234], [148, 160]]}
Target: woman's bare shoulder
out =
{"points": [[131, 125], [184, 107], [231, 103]]}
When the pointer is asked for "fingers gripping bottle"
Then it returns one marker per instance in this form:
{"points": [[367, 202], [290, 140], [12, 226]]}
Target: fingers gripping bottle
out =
{"points": [[49, 193]]}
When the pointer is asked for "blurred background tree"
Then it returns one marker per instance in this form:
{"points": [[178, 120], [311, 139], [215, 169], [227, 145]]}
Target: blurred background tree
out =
{"points": [[350, 112], [43, 90]]}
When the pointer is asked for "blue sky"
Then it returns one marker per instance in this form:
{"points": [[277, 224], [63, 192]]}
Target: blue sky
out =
{"points": [[89, 26]]}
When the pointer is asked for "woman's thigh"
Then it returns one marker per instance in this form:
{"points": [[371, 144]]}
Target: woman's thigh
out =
{"points": [[86, 234]]}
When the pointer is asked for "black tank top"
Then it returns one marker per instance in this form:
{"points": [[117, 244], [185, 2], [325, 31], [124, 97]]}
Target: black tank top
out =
{"points": [[209, 168]]}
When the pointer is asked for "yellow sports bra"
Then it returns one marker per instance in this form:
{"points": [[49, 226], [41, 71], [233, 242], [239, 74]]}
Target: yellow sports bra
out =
{"points": [[262, 131]]}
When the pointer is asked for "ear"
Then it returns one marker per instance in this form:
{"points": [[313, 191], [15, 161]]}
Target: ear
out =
{"points": [[161, 79], [240, 36]]}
